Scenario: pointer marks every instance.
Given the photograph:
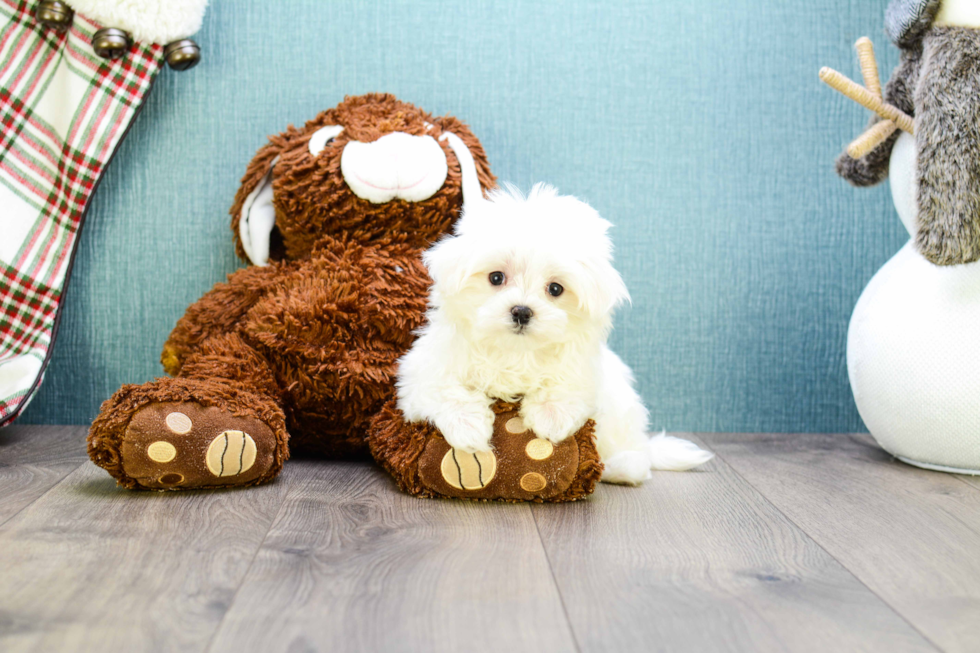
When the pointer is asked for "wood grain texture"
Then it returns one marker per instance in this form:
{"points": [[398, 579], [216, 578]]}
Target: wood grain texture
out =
{"points": [[92, 567], [351, 564], [973, 481], [42, 445], [33, 460], [911, 535], [700, 561], [786, 542]]}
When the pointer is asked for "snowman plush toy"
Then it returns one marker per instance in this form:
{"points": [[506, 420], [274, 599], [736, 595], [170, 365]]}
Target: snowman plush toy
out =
{"points": [[913, 348]]}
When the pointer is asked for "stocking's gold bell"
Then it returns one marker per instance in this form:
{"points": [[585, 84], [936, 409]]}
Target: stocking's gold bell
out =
{"points": [[55, 15], [111, 42]]}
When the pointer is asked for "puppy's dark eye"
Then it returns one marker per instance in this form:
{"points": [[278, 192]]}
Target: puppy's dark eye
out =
{"points": [[496, 278], [555, 289]]}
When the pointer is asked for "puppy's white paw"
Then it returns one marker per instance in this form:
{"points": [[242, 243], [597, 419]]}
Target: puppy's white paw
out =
{"points": [[550, 420], [627, 468], [468, 427]]}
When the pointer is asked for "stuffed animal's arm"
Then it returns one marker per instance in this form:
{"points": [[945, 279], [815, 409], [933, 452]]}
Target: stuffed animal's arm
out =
{"points": [[872, 168], [220, 310]]}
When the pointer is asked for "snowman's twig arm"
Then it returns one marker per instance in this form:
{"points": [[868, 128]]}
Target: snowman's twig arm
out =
{"points": [[879, 132], [869, 65], [869, 140], [867, 99], [865, 161]]}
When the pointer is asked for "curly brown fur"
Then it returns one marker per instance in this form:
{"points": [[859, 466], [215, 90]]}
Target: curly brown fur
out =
{"points": [[221, 310], [589, 467], [948, 142], [397, 447], [333, 329], [322, 336], [230, 360]]}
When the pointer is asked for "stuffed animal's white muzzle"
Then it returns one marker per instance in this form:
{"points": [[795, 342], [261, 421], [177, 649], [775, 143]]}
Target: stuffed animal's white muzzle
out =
{"points": [[396, 166]]}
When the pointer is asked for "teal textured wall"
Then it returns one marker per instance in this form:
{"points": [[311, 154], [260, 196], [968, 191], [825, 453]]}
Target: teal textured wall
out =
{"points": [[699, 128]]}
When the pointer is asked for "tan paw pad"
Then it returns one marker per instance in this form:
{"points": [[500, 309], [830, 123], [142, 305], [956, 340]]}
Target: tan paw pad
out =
{"points": [[161, 452], [231, 453], [469, 471], [179, 423], [533, 482], [515, 425], [538, 449]]}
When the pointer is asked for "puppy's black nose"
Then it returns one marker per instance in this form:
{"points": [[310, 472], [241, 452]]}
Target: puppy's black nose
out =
{"points": [[521, 315]]}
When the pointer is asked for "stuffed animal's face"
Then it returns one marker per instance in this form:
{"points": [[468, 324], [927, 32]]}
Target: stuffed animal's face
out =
{"points": [[373, 169]]}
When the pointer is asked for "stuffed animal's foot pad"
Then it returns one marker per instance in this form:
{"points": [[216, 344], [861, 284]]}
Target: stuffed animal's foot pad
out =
{"points": [[181, 445], [474, 471], [520, 466]]}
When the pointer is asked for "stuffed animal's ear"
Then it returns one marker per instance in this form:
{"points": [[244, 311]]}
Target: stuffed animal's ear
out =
{"points": [[473, 149], [253, 216], [947, 135], [907, 21]]}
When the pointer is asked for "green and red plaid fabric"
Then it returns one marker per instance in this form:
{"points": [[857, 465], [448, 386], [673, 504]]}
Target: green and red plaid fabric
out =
{"points": [[63, 112]]}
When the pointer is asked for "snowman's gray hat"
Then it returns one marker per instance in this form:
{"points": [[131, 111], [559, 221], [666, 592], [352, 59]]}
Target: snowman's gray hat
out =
{"points": [[907, 21]]}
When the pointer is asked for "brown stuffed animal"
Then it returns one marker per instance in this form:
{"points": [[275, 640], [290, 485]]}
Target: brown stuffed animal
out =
{"points": [[301, 347]]}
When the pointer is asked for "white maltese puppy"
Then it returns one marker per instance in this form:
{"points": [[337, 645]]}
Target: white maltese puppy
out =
{"points": [[520, 309]]}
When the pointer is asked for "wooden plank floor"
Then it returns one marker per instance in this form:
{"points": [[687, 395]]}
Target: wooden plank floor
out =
{"points": [[782, 543]]}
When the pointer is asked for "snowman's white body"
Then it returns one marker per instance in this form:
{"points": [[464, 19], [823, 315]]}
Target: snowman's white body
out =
{"points": [[913, 348]]}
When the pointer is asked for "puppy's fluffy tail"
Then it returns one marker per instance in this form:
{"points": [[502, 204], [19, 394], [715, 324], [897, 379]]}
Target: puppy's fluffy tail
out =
{"points": [[671, 454], [662, 452]]}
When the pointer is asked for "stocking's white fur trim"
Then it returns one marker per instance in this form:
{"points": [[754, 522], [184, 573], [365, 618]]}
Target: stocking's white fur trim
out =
{"points": [[149, 21]]}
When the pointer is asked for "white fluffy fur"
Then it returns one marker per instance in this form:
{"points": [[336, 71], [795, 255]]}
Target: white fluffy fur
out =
{"points": [[472, 352], [149, 21]]}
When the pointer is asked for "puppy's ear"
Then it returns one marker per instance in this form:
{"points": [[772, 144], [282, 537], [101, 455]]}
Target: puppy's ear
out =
{"points": [[450, 263], [599, 287], [947, 140], [597, 284], [253, 216]]}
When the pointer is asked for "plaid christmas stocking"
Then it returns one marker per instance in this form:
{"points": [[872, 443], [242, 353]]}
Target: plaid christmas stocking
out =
{"points": [[63, 112]]}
